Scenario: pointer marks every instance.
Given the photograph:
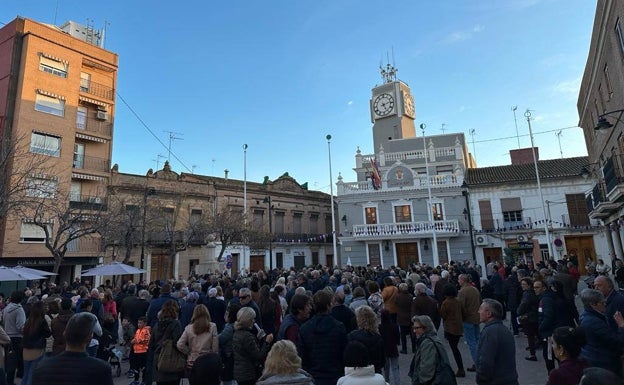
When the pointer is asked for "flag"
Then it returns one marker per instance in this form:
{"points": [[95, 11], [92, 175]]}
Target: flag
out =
{"points": [[376, 176]]}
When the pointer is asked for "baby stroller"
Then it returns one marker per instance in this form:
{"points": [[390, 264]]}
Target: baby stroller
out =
{"points": [[107, 351]]}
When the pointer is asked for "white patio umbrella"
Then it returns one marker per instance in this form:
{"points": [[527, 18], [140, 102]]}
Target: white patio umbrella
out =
{"points": [[114, 268], [32, 271], [10, 274]]}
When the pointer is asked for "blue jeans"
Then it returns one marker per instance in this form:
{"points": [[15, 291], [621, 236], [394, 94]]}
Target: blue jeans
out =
{"points": [[392, 363], [471, 333], [29, 368]]}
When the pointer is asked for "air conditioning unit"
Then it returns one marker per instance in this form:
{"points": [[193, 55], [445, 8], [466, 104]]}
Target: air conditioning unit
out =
{"points": [[522, 238], [102, 115], [481, 240]]}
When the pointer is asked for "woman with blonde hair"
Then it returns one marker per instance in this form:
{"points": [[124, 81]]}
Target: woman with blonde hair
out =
{"points": [[249, 345], [283, 366], [368, 334], [199, 337]]}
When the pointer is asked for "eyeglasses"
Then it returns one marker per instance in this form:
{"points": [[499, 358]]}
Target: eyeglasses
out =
{"points": [[243, 297], [537, 287], [418, 327]]}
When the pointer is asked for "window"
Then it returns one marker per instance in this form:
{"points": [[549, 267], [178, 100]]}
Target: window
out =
{"points": [[50, 105], [577, 208], [195, 217], [258, 219], [297, 223], [79, 156], [371, 215], [620, 35], [402, 213], [314, 223], [278, 222], [41, 187], [45, 144], [75, 192], [81, 118], [512, 211], [437, 211], [485, 212], [53, 67], [32, 233], [608, 81], [85, 82]]}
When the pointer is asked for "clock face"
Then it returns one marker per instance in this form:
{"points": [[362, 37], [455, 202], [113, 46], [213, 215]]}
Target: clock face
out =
{"points": [[408, 103], [383, 105]]}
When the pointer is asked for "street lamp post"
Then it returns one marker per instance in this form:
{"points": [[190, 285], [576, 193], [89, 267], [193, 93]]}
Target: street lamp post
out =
{"points": [[244, 200], [434, 246], [466, 195], [527, 114], [331, 195], [146, 192], [267, 199]]}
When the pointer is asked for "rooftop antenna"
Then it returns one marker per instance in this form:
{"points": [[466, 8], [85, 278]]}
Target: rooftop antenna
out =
{"points": [[157, 160], [172, 137], [213, 164], [193, 167], [55, 11], [103, 33], [558, 133], [474, 151], [443, 129], [514, 108], [388, 74]]}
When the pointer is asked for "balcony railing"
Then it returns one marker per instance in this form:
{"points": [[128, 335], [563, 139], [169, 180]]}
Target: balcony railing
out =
{"points": [[84, 162], [96, 89], [302, 238], [424, 228], [420, 183], [88, 202], [96, 126], [85, 245]]}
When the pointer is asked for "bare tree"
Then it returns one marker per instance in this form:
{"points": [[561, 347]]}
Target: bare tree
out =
{"points": [[122, 224], [229, 228], [62, 223]]}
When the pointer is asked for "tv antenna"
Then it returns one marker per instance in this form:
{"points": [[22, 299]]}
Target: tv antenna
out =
{"points": [[193, 167], [514, 108], [172, 137], [474, 150], [157, 160], [443, 129], [558, 133]]}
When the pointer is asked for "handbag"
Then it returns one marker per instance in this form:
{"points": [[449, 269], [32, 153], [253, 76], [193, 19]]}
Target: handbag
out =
{"points": [[170, 359], [444, 374]]}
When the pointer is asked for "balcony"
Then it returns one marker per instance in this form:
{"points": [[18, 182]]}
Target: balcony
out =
{"points": [[84, 246], [598, 205], [420, 183], [95, 126], [302, 238], [614, 178], [90, 163], [96, 89], [424, 229], [87, 202]]}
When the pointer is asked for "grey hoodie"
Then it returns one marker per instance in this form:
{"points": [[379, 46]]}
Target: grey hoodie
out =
{"points": [[300, 378], [14, 319]]}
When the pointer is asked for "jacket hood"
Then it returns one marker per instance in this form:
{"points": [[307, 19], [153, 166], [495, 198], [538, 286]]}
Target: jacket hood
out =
{"points": [[300, 378]]}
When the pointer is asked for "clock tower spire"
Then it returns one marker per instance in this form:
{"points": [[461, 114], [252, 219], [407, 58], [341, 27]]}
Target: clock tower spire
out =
{"points": [[392, 109]]}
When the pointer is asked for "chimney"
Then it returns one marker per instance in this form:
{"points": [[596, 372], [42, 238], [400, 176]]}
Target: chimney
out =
{"points": [[226, 171], [523, 156]]}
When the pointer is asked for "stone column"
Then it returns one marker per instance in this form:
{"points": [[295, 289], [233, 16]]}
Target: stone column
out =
{"points": [[617, 242]]}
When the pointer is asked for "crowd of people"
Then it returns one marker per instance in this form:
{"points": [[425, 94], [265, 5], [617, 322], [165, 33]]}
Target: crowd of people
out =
{"points": [[319, 326]]}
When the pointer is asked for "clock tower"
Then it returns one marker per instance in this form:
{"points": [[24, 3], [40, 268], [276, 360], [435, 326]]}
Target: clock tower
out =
{"points": [[392, 109]]}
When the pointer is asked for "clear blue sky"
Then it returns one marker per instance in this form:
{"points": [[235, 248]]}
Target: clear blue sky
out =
{"points": [[280, 75]]}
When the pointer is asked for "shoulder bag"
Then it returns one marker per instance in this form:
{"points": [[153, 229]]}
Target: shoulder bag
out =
{"points": [[444, 374], [170, 359]]}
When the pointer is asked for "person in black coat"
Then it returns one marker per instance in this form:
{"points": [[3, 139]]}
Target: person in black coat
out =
{"points": [[527, 312], [513, 294], [216, 308], [342, 313], [322, 340], [368, 334]]}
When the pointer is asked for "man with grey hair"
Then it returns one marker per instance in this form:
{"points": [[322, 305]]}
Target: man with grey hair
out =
{"points": [[496, 352], [425, 305], [615, 300], [74, 366], [244, 297]]}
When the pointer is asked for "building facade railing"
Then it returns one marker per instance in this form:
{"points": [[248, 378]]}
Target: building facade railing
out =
{"points": [[97, 89], [84, 162], [100, 127], [423, 228]]}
